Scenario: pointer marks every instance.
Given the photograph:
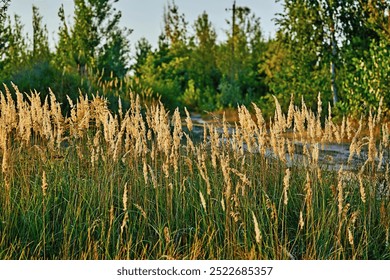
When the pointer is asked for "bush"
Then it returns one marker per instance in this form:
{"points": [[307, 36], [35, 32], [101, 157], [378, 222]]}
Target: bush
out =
{"points": [[369, 82]]}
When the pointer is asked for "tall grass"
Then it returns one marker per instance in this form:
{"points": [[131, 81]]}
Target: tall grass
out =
{"points": [[138, 185]]}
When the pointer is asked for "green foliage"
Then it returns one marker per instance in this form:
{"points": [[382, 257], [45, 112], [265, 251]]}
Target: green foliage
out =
{"points": [[195, 71], [142, 49], [325, 47], [175, 26], [40, 46], [95, 41], [336, 48], [307, 30], [15, 48], [305, 79], [203, 69], [3, 17], [64, 58], [43, 77], [230, 94], [191, 96], [368, 82], [113, 58], [239, 57], [163, 74], [3, 8]]}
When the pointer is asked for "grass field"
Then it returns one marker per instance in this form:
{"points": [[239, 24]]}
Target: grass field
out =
{"points": [[136, 185]]}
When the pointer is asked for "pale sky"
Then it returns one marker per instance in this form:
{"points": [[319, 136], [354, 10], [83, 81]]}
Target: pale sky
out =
{"points": [[145, 17]]}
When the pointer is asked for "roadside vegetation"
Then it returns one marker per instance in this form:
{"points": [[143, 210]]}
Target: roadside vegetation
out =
{"points": [[338, 49], [101, 159], [140, 184]]}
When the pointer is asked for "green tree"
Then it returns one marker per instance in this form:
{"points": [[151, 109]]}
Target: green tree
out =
{"points": [[142, 49], [204, 75], [33, 69], [3, 8], [40, 42], [369, 83], [308, 31], [95, 41], [113, 57], [4, 33], [84, 35], [15, 50], [318, 35], [64, 48], [165, 70], [364, 55], [3, 16], [175, 26], [239, 57]]}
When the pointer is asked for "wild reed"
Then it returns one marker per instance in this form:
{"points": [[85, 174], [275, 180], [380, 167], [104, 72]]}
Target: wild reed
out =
{"points": [[138, 184]]}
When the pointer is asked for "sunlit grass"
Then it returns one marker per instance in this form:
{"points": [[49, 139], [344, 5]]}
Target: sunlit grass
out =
{"points": [[137, 185]]}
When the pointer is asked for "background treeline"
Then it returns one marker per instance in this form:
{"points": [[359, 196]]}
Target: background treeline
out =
{"points": [[340, 49]]}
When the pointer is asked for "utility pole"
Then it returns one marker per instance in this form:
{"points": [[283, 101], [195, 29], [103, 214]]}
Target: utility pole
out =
{"points": [[233, 26], [233, 61], [333, 56]]}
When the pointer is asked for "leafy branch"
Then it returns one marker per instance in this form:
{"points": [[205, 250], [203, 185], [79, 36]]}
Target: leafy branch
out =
{"points": [[3, 7]]}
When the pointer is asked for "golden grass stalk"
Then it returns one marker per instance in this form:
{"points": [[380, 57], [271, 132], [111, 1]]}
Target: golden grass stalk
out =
{"points": [[44, 183], [282, 149], [126, 216], [340, 196], [248, 127], [258, 236], [203, 201], [215, 144], [280, 119], [177, 135], [290, 113], [145, 171], [124, 198], [259, 116], [299, 121], [319, 111], [308, 192], [124, 222], [223, 204], [167, 235], [141, 210], [385, 136], [154, 179], [188, 120], [4, 147], [226, 176], [361, 187], [355, 146], [315, 154], [350, 236], [372, 152], [201, 164], [381, 153], [286, 185], [301, 223]]}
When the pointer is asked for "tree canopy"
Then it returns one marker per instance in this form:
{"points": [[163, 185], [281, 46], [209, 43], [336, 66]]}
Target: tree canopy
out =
{"points": [[339, 49]]}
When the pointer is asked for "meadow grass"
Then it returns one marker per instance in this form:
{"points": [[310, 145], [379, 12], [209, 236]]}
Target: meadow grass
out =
{"points": [[138, 185]]}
